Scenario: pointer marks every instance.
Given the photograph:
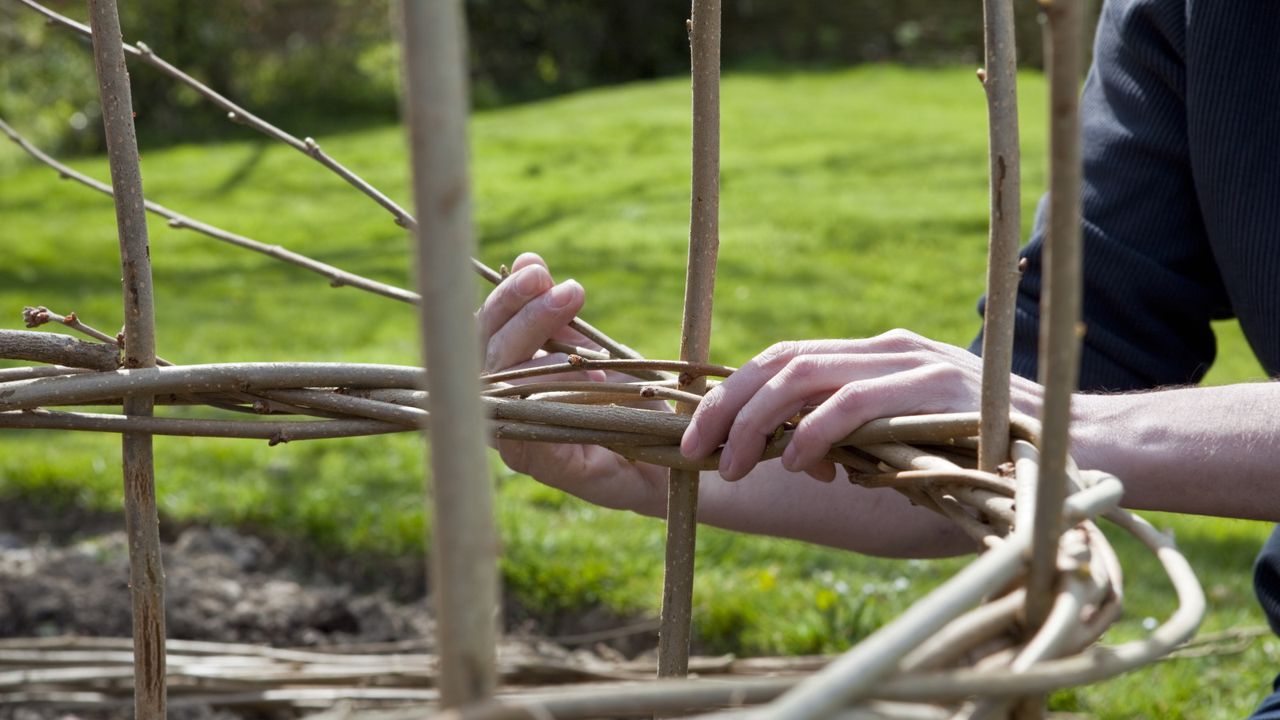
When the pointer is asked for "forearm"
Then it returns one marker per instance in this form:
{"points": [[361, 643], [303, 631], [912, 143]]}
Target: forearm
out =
{"points": [[773, 501], [1208, 451]]}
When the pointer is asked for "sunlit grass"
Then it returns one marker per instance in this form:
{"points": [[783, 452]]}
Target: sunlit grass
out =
{"points": [[853, 202]]}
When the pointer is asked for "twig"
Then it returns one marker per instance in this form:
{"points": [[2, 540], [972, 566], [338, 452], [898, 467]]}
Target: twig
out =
{"points": [[632, 391], [695, 333], [30, 373], [60, 349], [688, 370], [311, 149], [36, 316], [1000, 82], [1059, 350], [337, 277], [464, 541], [146, 570]]}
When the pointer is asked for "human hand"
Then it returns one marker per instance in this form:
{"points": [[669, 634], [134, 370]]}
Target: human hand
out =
{"points": [[848, 383], [523, 312]]}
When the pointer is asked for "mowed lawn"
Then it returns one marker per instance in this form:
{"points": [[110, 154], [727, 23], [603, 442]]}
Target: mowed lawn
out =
{"points": [[853, 202]]}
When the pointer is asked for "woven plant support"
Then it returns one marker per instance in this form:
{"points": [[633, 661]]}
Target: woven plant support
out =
{"points": [[1023, 619], [957, 651]]}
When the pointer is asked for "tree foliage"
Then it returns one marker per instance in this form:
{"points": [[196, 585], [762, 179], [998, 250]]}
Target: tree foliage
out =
{"points": [[320, 60]]}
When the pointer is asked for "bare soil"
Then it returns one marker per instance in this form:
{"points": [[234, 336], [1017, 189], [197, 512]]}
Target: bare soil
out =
{"points": [[65, 572]]}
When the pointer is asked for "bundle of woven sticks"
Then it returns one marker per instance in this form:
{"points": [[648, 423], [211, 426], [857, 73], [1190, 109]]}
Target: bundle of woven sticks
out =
{"points": [[963, 651]]}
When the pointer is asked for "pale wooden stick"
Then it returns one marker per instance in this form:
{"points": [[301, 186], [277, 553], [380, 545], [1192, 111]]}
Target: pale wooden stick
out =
{"points": [[1000, 81], [1060, 299], [464, 573], [146, 571], [695, 334]]}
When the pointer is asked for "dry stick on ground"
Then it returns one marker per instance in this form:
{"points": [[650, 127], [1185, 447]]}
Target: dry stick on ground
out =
{"points": [[695, 334], [1059, 350], [146, 572], [464, 546], [311, 149], [1000, 82]]}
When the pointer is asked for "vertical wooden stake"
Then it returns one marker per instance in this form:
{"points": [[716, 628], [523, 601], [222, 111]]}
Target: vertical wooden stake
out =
{"points": [[464, 545], [1000, 81], [695, 335], [146, 572], [1060, 299]]}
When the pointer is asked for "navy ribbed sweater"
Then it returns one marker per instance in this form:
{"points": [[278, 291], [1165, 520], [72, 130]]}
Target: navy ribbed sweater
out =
{"points": [[1181, 205]]}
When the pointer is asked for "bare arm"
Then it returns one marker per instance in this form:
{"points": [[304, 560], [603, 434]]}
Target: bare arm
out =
{"points": [[1201, 450]]}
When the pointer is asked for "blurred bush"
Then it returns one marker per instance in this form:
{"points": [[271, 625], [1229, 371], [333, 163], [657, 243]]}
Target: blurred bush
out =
{"points": [[311, 64]]}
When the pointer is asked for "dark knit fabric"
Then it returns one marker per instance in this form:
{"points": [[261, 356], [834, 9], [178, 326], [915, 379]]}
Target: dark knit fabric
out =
{"points": [[1181, 205], [1181, 197]]}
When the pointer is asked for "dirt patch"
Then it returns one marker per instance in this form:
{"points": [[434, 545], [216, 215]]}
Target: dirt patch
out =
{"points": [[65, 572]]}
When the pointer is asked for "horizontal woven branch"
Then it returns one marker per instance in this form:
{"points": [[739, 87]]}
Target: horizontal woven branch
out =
{"points": [[961, 648]]}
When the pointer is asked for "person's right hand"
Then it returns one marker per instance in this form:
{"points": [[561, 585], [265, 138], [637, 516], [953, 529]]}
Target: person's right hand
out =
{"points": [[524, 311]]}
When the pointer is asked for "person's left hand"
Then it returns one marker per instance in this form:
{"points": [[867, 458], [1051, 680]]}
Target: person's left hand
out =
{"points": [[848, 383]]}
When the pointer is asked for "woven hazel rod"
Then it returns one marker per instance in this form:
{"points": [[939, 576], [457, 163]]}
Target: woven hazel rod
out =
{"points": [[146, 571], [695, 333], [1000, 83], [311, 149], [59, 349], [464, 541], [1059, 351], [673, 696]]}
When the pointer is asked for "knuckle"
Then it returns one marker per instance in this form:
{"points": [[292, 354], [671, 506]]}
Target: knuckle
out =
{"points": [[846, 399], [776, 354], [800, 368], [900, 340]]}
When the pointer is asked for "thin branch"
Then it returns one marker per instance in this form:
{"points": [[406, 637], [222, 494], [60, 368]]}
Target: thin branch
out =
{"points": [[311, 149], [189, 379], [337, 277], [1059, 350], [271, 430], [1000, 81], [60, 349], [30, 373], [688, 371], [464, 540], [146, 570], [695, 333]]}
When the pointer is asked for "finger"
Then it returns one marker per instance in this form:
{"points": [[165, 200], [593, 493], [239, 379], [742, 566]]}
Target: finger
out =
{"points": [[804, 380], [715, 414], [565, 334], [512, 294], [936, 387], [520, 337], [823, 471], [524, 260]]}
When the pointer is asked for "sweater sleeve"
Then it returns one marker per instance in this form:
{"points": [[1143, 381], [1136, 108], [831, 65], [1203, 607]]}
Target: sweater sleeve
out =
{"points": [[1151, 285]]}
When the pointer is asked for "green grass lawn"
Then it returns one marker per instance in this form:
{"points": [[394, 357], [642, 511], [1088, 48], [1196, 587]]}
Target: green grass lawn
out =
{"points": [[853, 202]]}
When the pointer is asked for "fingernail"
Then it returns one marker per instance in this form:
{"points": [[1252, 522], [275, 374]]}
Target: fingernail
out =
{"points": [[563, 294], [689, 443], [528, 283], [725, 465]]}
